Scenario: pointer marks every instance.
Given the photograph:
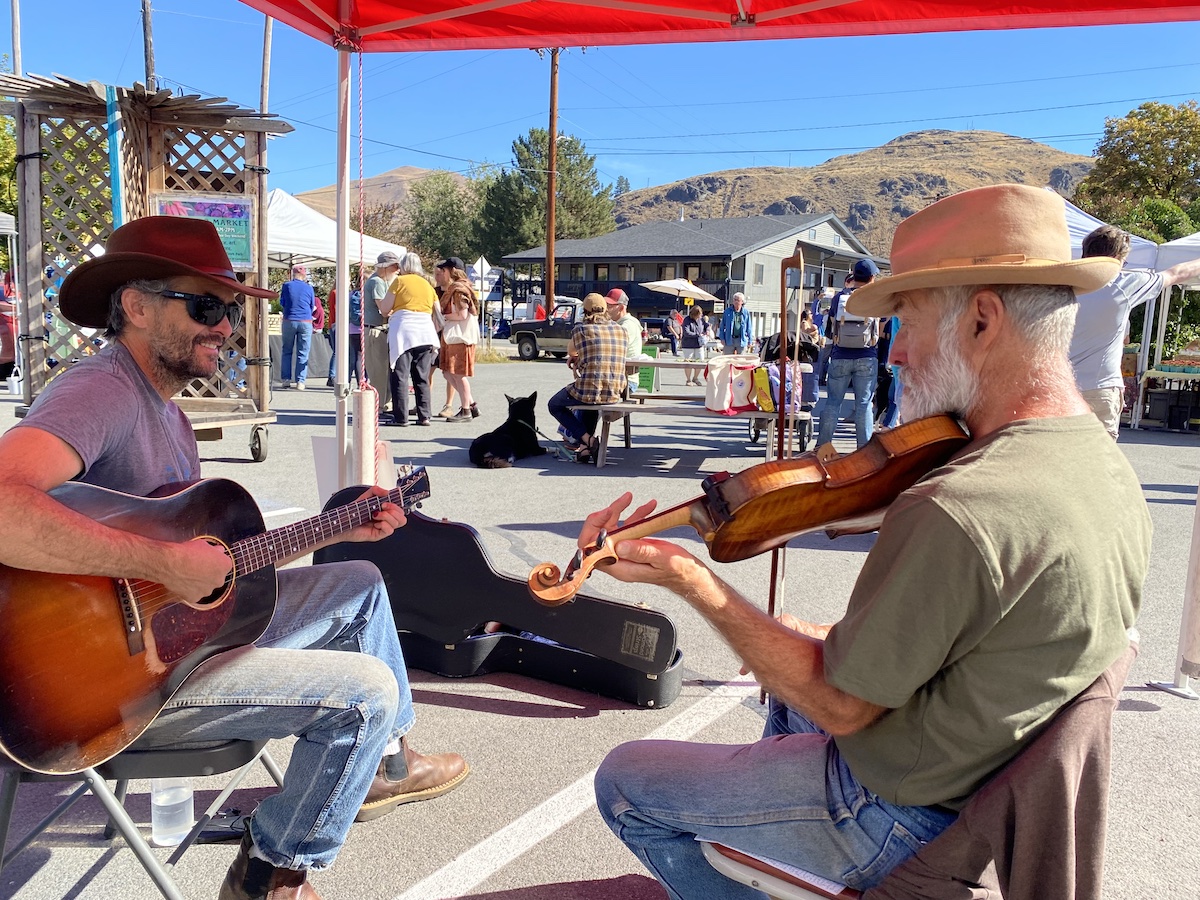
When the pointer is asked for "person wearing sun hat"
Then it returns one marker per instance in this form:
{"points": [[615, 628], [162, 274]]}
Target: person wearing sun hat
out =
{"points": [[329, 666], [998, 588]]}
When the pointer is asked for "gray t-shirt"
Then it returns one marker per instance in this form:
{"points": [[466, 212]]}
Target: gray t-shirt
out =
{"points": [[373, 291], [1100, 327], [1000, 587], [129, 438]]}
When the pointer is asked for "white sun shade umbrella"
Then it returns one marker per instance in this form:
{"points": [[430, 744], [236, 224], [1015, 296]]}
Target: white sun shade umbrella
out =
{"points": [[680, 287]]}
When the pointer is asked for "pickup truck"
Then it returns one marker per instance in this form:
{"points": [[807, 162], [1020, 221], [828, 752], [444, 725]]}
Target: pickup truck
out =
{"points": [[552, 335]]}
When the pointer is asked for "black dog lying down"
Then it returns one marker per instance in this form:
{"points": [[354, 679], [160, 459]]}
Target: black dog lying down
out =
{"points": [[516, 439]]}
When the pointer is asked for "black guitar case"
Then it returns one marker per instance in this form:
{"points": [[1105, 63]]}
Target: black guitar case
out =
{"points": [[443, 588]]}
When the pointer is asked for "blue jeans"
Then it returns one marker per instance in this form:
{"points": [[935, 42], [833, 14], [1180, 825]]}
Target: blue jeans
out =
{"points": [[299, 679], [860, 374], [297, 335], [891, 415], [788, 797], [355, 375], [571, 421]]}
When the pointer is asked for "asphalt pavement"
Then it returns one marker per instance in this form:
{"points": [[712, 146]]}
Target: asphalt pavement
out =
{"points": [[523, 826]]}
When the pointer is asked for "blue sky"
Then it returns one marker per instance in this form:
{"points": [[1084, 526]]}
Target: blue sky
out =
{"points": [[653, 114]]}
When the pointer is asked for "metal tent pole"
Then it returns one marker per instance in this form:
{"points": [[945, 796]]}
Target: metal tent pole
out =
{"points": [[342, 279]]}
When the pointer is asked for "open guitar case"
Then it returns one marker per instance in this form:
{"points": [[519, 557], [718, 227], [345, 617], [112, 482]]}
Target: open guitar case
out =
{"points": [[443, 589]]}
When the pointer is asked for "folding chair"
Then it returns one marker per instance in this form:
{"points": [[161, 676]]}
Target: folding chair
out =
{"points": [[154, 763], [1035, 830]]}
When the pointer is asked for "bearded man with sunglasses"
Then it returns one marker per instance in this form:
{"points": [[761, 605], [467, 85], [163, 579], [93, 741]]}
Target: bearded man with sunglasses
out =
{"points": [[328, 668]]}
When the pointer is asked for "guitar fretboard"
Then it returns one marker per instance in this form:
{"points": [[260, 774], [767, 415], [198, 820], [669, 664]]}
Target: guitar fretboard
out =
{"points": [[252, 553]]}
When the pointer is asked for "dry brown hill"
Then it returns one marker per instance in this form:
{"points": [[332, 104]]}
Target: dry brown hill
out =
{"points": [[871, 191], [390, 187]]}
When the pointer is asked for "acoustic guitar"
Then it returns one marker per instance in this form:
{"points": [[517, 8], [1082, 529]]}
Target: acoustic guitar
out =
{"points": [[87, 662]]}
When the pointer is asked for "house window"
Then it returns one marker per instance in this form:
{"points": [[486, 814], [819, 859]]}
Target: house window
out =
{"points": [[720, 271], [837, 240], [666, 273], [759, 273], [812, 234], [693, 273], [576, 270], [624, 273], [601, 272]]}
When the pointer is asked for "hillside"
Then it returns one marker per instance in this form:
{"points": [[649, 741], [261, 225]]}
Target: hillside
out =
{"points": [[871, 191], [389, 187]]}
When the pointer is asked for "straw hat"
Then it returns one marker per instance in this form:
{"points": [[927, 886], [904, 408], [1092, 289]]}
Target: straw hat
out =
{"points": [[151, 247], [1005, 234]]}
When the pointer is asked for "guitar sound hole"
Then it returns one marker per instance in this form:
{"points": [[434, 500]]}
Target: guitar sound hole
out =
{"points": [[219, 594]]}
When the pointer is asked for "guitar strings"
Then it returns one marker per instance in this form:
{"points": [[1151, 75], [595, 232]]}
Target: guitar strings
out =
{"points": [[253, 553]]}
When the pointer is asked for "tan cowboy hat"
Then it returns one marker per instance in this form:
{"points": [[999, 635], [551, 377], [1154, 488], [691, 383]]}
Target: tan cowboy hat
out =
{"points": [[1005, 234], [151, 247]]}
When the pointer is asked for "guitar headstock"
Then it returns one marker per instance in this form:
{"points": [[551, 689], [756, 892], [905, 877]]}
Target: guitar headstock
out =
{"points": [[413, 486]]}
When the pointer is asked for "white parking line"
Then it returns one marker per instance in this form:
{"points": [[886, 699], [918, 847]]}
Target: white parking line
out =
{"points": [[476, 865]]}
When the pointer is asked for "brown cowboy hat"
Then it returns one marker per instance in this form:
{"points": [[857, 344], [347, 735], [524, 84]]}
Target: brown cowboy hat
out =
{"points": [[152, 247], [1004, 234]]}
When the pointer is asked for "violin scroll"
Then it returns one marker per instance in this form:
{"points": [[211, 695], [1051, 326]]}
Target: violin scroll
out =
{"points": [[551, 587]]}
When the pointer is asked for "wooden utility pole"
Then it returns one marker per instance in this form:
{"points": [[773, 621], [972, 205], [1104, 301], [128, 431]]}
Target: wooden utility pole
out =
{"points": [[551, 186], [148, 41]]}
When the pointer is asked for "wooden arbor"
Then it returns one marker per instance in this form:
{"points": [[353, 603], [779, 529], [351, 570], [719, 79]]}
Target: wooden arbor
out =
{"points": [[90, 157]]}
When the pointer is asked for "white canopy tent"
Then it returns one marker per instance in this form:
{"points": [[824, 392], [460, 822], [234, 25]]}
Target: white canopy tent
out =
{"points": [[1180, 250], [1142, 253], [299, 235]]}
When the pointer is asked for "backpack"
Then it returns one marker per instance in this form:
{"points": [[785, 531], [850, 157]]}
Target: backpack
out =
{"points": [[356, 306], [854, 333]]}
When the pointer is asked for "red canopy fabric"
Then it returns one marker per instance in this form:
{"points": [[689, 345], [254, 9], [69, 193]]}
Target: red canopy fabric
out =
{"points": [[397, 25]]}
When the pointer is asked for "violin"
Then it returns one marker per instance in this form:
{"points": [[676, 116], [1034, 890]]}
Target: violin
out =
{"points": [[765, 506]]}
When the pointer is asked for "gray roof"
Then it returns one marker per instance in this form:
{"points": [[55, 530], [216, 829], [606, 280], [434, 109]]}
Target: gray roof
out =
{"points": [[691, 238]]}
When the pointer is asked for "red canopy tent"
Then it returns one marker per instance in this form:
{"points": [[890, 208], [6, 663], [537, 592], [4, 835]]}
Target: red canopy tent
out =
{"points": [[400, 25], [392, 25]]}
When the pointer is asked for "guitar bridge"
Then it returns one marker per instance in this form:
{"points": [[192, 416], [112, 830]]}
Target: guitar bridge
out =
{"points": [[132, 617]]}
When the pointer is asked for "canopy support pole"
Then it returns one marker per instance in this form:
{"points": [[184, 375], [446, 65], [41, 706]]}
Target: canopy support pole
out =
{"points": [[1187, 660], [342, 277]]}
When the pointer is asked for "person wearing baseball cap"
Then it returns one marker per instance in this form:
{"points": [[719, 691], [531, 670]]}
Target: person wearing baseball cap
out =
{"points": [[618, 310], [596, 354], [167, 296], [375, 332], [999, 587]]}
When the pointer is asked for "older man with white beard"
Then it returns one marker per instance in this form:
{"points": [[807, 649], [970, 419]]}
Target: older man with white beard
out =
{"points": [[999, 587]]}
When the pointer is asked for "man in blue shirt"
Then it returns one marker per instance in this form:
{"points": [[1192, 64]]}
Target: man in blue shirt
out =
{"points": [[853, 361], [298, 302], [736, 331]]}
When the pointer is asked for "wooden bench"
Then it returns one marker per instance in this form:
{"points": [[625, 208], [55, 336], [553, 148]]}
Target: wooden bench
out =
{"points": [[611, 412]]}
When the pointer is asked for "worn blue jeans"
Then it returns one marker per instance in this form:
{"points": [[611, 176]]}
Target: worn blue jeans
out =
{"points": [[328, 670], [297, 336], [571, 421], [861, 374], [788, 797]]}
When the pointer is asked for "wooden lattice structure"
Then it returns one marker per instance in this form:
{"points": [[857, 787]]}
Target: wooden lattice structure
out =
{"points": [[66, 178]]}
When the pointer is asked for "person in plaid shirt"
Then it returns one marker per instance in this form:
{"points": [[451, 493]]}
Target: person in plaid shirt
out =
{"points": [[597, 354]]}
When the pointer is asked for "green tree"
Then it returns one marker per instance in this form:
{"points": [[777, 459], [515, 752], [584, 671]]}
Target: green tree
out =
{"points": [[441, 214], [1158, 220], [507, 219], [621, 187], [513, 212], [1152, 153]]}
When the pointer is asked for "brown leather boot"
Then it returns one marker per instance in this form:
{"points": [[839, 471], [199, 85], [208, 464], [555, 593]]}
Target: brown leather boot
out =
{"points": [[408, 776], [257, 879]]}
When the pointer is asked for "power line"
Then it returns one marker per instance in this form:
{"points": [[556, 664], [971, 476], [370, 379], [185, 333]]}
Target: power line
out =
{"points": [[981, 115]]}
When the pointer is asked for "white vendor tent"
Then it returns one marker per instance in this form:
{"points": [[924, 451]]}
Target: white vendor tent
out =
{"points": [[299, 235], [1180, 250], [1142, 253]]}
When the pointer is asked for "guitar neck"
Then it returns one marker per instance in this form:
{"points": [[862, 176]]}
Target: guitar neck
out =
{"points": [[268, 548]]}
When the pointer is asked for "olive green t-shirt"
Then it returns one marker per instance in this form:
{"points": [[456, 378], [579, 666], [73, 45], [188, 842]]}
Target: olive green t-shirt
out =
{"points": [[1000, 587]]}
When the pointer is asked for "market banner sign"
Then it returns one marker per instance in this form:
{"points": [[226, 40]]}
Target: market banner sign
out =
{"points": [[233, 218]]}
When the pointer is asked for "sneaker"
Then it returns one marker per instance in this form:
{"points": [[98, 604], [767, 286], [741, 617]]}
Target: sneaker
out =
{"points": [[447, 412], [299, 385], [422, 421], [329, 382]]}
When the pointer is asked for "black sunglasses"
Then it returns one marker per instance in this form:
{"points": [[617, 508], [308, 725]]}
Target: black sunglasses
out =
{"points": [[207, 309]]}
